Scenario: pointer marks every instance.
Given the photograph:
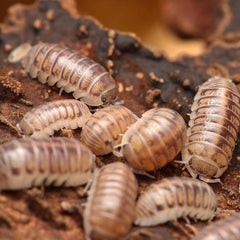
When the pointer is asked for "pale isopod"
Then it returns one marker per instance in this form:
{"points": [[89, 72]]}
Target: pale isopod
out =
{"points": [[104, 129], [224, 229], [154, 140], [69, 70], [29, 162], [44, 119], [110, 207], [173, 198], [214, 124]]}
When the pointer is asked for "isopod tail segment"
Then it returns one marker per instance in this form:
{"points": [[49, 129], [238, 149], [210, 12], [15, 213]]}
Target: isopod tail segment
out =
{"points": [[200, 176], [117, 150]]}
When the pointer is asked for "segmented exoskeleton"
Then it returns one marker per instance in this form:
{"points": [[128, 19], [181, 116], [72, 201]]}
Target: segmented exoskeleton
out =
{"points": [[173, 198], [110, 207], [104, 129], [213, 128], [69, 70], [29, 162], [42, 120], [154, 140]]}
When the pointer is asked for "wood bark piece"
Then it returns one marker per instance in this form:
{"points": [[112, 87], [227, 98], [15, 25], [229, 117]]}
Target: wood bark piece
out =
{"points": [[145, 79]]}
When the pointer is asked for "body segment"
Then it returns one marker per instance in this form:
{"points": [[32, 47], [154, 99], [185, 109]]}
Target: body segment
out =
{"points": [[173, 198], [42, 120], [110, 208], [213, 128], [29, 162], [104, 129], [154, 140]]}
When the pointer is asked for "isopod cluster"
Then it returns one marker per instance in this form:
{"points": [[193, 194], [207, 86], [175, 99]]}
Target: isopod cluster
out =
{"points": [[104, 129], [146, 143], [69, 70], [29, 162], [214, 124]]}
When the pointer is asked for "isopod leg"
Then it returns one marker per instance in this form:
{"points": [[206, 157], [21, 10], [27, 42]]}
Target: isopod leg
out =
{"points": [[117, 153], [42, 188], [61, 90], [87, 187], [89, 183], [208, 180], [139, 172], [181, 162], [194, 175], [214, 215]]}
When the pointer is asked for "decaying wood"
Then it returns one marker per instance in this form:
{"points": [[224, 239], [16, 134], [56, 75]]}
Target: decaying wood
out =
{"points": [[145, 79]]}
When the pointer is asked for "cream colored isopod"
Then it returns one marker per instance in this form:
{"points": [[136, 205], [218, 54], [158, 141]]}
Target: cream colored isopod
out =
{"points": [[213, 129], [154, 140], [30, 162], [44, 119], [173, 198], [104, 129]]}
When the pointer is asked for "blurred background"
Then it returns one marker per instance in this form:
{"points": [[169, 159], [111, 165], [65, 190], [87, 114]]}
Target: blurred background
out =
{"points": [[176, 27]]}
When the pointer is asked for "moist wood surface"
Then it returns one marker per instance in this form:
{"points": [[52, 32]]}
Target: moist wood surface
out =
{"points": [[145, 79]]}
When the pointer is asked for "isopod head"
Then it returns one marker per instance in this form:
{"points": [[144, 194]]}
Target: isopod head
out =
{"points": [[198, 166], [25, 128], [108, 96]]}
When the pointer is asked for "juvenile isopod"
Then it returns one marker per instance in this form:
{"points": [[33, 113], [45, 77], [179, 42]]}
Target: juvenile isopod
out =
{"points": [[29, 162], [69, 70], [154, 140], [213, 128], [224, 229], [110, 207], [104, 129], [42, 120], [173, 198]]}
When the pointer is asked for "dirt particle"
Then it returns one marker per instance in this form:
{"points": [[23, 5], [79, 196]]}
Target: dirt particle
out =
{"points": [[186, 83], [151, 94], [155, 78], [37, 24], [139, 75], [7, 47], [120, 87], [50, 14]]}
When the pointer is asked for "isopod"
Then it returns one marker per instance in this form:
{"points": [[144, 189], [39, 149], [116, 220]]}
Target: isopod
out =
{"points": [[154, 140], [213, 128], [69, 70], [42, 120], [29, 162], [224, 229], [173, 198], [110, 207], [104, 129]]}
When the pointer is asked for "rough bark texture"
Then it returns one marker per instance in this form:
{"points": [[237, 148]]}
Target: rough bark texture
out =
{"points": [[145, 79]]}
